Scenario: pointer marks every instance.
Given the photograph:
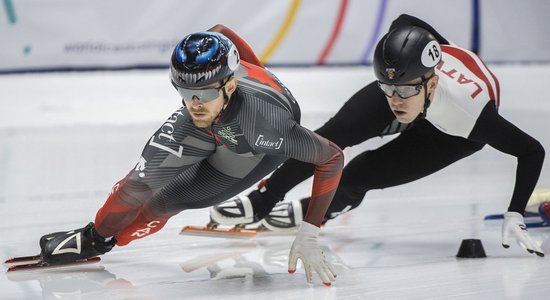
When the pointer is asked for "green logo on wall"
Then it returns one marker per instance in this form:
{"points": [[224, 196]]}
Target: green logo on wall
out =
{"points": [[12, 19], [10, 11]]}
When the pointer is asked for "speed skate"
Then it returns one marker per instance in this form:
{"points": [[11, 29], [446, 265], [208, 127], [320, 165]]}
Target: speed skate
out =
{"points": [[236, 232]]}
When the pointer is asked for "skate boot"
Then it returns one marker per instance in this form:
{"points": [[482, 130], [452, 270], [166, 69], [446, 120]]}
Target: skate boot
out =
{"points": [[235, 211], [242, 210], [69, 246], [286, 216], [50, 236]]}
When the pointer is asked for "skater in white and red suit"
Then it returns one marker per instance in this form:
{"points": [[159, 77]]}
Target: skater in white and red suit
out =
{"points": [[441, 99]]}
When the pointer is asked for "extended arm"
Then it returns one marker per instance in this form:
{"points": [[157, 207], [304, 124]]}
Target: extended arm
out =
{"points": [[329, 161], [502, 135], [304, 145], [493, 129]]}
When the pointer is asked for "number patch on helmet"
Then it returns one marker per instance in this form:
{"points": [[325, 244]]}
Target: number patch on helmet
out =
{"points": [[233, 58], [431, 55]]}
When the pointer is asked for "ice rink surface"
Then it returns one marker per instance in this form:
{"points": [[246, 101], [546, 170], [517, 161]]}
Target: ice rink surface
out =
{"points": [[66, 138]]}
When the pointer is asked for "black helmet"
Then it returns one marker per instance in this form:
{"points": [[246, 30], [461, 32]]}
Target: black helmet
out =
{"points": [[203, 58], [405, 53]]}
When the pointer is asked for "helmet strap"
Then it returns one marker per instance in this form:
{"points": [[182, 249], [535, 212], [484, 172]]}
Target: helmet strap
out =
{"points": [[427, 101], [225, 97], [225, 102]]}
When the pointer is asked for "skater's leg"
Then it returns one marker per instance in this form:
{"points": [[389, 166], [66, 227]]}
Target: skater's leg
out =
{"points": [[416, 153], [117, 212], [141, 226], [176, 147], [206, 184]]}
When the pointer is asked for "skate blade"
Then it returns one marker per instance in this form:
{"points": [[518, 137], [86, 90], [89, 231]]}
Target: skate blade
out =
{"points": [[42, 265], [218, 232], [22, 260]]}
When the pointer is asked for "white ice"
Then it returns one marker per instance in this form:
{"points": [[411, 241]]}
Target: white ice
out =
{"points": [[66, 138]]}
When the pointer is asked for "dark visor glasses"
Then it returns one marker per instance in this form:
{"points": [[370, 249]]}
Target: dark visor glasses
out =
{"points": [[204, 95], [404, 91]]}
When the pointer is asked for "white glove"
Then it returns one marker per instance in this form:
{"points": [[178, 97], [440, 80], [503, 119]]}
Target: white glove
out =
{"points": [[515, 226], [306, 247]]}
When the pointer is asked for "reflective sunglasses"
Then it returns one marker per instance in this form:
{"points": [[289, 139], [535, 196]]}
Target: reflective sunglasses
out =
{"points": [[204, 95], [404, 91]]}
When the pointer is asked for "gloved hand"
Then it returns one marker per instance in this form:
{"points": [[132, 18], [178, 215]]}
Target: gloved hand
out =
{"points": [[306, 247], [514, 226]]}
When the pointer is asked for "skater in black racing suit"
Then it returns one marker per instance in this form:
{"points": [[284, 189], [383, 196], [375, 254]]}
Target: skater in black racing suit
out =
{"points": [[237, 124], [441, 99]]}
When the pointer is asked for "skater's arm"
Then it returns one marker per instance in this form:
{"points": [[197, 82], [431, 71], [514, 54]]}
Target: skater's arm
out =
{"points": [[329, 161], [325, 182], [364, 115], [493, 129], [245, 51], [327, 158]]}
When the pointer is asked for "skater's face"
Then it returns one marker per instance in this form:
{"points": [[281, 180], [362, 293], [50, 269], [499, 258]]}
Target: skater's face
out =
{"points": [[407, 100], [205, 111]]}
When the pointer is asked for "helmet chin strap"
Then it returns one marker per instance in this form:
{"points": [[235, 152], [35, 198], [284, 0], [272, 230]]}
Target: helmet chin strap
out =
{"points": [[427, 101], [225, 103]]}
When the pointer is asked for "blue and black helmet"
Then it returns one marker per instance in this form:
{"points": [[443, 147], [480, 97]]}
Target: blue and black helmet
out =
{"points": [[203, 58]]}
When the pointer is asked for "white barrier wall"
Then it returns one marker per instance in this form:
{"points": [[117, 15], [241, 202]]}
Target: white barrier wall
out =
{"points": [[80, 34]]}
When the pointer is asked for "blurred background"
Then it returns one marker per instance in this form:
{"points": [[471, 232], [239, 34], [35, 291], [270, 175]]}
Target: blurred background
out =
{"points": [[88, 35]]}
